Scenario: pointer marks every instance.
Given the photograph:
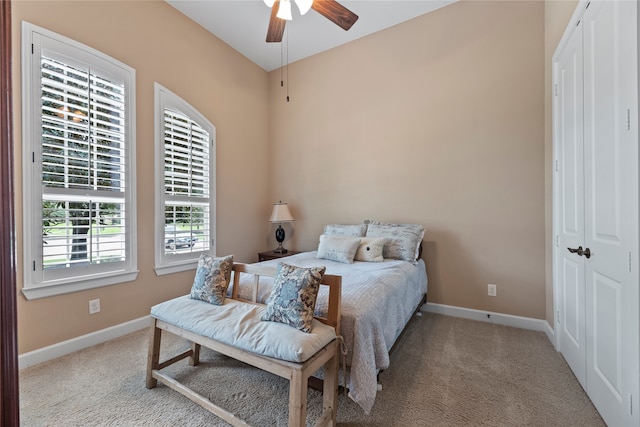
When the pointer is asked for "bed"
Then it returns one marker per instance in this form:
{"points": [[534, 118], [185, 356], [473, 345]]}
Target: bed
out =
{"points": [[378, 300]]}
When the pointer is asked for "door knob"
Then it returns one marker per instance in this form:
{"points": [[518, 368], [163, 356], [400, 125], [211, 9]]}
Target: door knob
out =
{"points": [[576, 251], [586, 252]]}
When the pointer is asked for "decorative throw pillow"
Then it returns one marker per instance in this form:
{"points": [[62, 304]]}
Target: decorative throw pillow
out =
{"points": [[293, 298], [353, 230], [338, 248], [370, 249], [403, 240], [212, 279]]}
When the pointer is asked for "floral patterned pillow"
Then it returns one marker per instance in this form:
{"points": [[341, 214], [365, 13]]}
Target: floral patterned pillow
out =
{"points": [[293, 298], [212, 279]]}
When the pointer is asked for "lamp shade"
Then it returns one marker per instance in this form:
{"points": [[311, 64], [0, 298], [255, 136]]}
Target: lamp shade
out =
{"points": [[304, 5], [284, 11], [280, 213]]}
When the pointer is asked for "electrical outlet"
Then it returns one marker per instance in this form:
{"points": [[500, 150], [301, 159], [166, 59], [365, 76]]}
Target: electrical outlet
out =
{"points": [[491, 290], [94, 306]]}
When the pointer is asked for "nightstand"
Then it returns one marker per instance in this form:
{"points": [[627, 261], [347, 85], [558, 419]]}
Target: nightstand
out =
{"points": [[269, 255]]}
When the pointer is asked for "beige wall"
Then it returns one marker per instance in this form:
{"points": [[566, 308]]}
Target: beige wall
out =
{"points": [[163, 46], [438, 121], [442, 121], [556, 18]]}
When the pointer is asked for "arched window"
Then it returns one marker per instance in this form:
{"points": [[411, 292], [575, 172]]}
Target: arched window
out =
{"points": [[185, 184]]}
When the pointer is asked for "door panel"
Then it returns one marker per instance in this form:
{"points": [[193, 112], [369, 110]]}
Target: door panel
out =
{"points": [[573, 313], [602, 136], [569, 136], [607, 345], [611, 208]]}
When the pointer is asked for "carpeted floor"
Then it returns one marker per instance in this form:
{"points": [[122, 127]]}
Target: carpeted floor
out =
{"points": [[444, 371]]}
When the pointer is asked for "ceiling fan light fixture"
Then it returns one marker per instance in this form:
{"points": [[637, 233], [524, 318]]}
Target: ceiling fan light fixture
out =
{"points": [[330, 9], [284, 11], [304, 5], [269, 3]]}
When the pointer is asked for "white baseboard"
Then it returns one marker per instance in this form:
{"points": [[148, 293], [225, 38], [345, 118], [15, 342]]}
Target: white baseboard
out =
{"points": [[65, 347], [497, 318], [550, 334]]}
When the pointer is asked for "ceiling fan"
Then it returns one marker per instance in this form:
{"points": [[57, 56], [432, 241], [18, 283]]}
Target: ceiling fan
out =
{"points": [[330, 9]]}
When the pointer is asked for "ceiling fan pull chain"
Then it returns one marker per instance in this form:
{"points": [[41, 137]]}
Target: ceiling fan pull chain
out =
{"points": [[281, 65], [288, 62]]}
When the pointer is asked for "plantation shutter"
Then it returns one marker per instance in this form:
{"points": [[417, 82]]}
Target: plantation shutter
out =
{"points": [[83, 165], [186, 184]]}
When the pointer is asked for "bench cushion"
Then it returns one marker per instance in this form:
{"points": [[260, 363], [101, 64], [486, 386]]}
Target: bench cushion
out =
{"points": [[238, 324]]}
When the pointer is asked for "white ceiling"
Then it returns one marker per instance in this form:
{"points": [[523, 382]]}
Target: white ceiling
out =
{"points": [[242, 24]]}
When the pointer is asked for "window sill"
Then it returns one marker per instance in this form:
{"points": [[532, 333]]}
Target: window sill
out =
{"points": [[175, 268], [49, 290]]}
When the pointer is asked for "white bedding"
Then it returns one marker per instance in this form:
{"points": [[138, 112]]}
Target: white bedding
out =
{"points": [[378, 299]]}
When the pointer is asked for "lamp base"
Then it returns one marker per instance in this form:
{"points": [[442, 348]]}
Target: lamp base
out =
{"points": [[280, 239]]}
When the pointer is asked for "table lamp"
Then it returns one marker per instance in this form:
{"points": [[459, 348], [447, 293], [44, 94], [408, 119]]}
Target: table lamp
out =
{"points": [[280, 214]]}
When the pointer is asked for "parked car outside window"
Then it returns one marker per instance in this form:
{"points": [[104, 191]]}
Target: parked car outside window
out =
{"points": [[176, 239]]}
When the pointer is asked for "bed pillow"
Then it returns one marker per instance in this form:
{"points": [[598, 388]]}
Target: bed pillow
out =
{"points": [[212, 279], [338, 248], [293, 298], [403, 240], [353, 230], [371, 249]]}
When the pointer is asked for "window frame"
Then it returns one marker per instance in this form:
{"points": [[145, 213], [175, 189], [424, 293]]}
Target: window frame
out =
{"points": [[35, 41], [172, 263]]}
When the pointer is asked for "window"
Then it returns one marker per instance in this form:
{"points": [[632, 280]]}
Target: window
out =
{"points": [[78, 166], [185, 189]]}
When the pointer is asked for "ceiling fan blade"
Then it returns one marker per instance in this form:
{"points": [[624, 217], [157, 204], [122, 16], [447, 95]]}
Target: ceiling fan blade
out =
{"points": [[335, 12], [276, 25]]}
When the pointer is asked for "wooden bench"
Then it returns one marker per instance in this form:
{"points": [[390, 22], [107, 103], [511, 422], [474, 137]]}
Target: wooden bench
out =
{"points": [[169, 319]]}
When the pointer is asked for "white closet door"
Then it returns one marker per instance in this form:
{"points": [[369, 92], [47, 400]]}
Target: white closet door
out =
{"points": [[570, 266], [611, 208]]}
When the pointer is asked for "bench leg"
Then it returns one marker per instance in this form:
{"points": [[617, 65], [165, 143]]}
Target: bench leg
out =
{"points": [[330, 388], [297, 399], [194, 359], [153, 358]]}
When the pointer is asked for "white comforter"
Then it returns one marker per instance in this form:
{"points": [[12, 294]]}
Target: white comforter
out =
{"points": [[378, 299]]}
